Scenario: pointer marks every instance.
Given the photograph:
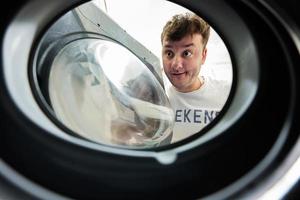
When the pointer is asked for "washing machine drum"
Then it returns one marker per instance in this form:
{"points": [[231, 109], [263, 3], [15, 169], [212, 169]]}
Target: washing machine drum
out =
{"points": [[56, 144], [103, 92], [100, 84]]}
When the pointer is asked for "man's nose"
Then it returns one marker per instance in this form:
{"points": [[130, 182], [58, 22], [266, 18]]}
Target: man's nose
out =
{"points": [[177, 63]]}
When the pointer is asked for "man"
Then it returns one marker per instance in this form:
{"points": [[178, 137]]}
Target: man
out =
{"points": [[195, 99]]}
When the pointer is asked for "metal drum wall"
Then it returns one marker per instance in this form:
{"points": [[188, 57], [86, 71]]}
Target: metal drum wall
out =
{"points": [[248, 152]]}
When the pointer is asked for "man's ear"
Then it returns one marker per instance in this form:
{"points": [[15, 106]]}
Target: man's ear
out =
{"points": [[204, 53]]}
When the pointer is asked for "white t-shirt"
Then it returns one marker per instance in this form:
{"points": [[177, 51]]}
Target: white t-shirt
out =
{"points": [[194, 110]]}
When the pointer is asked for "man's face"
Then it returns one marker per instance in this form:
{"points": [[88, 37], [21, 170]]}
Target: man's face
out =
{"points": [[182, 61]]}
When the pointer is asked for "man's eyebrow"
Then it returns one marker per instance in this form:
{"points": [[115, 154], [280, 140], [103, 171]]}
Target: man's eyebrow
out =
{"points": [[168, 46]]}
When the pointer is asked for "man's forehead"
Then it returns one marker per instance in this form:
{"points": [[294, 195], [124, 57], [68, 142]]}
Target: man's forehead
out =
{"points": [[187, 41]]}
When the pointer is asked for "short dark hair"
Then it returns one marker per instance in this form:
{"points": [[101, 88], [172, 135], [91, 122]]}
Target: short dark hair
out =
{"points": [[181, 25]]}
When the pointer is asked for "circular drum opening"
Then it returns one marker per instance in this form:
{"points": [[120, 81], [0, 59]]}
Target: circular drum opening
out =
{"points": [[95, 48]]}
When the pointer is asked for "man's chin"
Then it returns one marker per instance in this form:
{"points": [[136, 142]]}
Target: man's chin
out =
{"points": [[178, 86]]}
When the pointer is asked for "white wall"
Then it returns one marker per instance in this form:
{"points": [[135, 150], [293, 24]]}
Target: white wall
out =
{"points": [[144, 20]]}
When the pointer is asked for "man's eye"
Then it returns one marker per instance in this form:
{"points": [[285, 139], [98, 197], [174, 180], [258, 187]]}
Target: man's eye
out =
{"points": [[187, 53], [169, 54]]}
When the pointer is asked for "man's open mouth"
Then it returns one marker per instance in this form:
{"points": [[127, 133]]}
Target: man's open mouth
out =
{"points": [[178, 74]]}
